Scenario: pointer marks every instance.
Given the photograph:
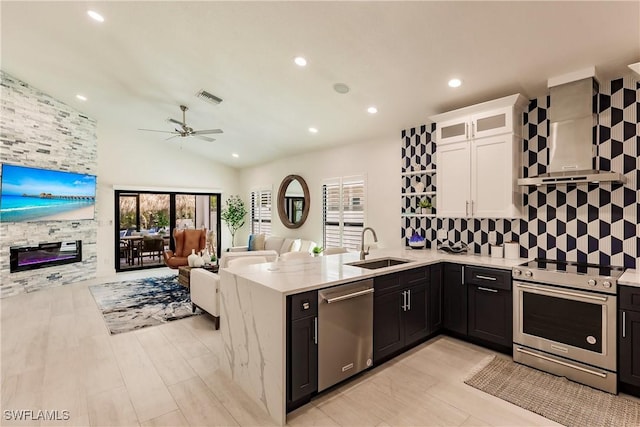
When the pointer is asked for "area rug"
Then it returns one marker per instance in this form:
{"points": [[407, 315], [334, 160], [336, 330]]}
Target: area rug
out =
{"points": [[135, 304], [555, 398]]}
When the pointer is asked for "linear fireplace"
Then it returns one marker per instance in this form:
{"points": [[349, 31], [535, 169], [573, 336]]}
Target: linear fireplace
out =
{"points": [[45, 255]]}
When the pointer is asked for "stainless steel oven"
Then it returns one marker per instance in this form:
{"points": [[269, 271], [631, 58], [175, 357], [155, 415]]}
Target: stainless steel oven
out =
{"points": [[565, 321]]}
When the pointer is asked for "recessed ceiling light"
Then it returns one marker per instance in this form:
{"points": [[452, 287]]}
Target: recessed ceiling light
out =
{"points": [[235, 155], [455, 83], [372, 110], [81, 97], [313, 130], [341, 88], [300, 61], [95, 15]]}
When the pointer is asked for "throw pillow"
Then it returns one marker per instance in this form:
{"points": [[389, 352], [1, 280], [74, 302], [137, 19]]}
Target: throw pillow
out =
{"points": [[251, 244], [295, 246], [258, 242], [286, 246]]}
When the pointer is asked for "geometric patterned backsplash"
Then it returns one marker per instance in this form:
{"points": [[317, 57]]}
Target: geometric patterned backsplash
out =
{"points": [[583, 222]]}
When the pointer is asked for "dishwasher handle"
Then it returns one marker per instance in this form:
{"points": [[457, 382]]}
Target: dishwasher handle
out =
{"points": [[349, 296]]}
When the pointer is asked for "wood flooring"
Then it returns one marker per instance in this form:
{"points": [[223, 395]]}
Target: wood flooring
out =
{"points": [[57, 354]]}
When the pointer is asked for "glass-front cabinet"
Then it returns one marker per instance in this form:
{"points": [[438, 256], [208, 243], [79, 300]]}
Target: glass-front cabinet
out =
{"points": [[477, 152], [479, 125]]}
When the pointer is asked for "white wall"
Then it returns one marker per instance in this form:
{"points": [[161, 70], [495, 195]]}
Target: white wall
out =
{"points": [[142, 164], [379, 161]]}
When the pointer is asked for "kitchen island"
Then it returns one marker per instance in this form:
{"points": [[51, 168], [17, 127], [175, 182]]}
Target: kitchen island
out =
{"points": [[253, 311]]}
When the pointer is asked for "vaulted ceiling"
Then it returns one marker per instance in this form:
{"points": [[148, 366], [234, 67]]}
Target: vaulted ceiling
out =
{"points": [[147, 58]]}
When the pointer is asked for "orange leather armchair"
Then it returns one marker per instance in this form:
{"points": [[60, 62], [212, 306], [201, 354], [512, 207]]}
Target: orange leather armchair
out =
{"points": [[185, 241]]}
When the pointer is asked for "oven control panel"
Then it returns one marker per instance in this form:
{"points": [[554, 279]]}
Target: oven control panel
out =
{"points": [[605, 284]]}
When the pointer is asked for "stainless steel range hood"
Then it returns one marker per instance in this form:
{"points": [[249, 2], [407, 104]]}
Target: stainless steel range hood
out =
{"points": [[573, 119]]}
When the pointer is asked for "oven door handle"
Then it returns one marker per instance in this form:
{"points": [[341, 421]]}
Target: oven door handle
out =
{"points": [[561, 292], [560, 362]]}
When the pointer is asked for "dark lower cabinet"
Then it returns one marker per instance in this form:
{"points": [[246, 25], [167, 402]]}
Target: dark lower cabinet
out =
{"points": [[434, 300], [490, 305], [454, 299], [629, 337], [490, 314], [400, 311], [416, 324], [477, 303], [388, 333], [302, 348]]}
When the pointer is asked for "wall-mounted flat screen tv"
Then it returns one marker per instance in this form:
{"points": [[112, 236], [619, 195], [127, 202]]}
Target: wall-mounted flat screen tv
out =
{"points": [[31, 194]]}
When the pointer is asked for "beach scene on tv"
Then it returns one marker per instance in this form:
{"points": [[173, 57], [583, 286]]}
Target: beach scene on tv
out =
{"points": [[30, 194]]}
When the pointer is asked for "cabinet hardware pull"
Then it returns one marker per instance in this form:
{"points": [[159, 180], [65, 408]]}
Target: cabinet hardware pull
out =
{"points": [[463, 275], [493, 279], [559, 362], [558, 291], [466, 209], [473, 129], [348, 296], [315, 330], [472, 208], [409, 299], [404, 300], [487, 289], [624, 324], [466, 130]]}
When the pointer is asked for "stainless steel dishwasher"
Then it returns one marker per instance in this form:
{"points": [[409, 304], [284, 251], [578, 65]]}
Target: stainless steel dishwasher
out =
{"points": [[345, 331]]}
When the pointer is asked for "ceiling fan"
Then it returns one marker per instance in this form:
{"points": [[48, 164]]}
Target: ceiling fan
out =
{"points": [[184, 130]]}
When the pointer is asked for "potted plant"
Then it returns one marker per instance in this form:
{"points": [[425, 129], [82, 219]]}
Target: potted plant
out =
{"points": [[317, 250], [162, 221], [424, 205], [233, 215]]}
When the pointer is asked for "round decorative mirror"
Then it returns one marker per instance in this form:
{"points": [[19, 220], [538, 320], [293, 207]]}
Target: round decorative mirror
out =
{"points": [[293, 201]]}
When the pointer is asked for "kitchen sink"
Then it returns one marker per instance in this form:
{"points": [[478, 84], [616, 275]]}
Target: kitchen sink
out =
{"points": [[374, 264]]}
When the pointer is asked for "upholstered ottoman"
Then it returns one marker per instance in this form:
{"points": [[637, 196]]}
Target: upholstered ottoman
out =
{"points": [[204, 288]]}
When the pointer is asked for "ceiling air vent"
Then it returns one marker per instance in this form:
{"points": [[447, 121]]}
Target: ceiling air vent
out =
{"points": [[209, 97]]}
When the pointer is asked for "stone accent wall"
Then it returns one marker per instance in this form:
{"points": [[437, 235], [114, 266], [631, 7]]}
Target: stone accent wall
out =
{"points": [[39, 131]]}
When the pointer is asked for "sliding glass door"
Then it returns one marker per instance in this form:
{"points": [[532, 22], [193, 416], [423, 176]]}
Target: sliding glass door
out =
{"points": [[156, 215]]}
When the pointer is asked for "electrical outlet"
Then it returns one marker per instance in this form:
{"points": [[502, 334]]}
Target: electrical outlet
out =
{"points": [[442, 234], [493, 237]]}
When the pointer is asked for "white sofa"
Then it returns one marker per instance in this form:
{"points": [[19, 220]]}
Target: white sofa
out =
{"points": [[205, 285], [280, 245]]}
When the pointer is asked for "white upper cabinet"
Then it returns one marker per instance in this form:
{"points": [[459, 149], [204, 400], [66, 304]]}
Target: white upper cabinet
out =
{"points": [[494, 177], [450, 158], [478, 121], [478, 159]]}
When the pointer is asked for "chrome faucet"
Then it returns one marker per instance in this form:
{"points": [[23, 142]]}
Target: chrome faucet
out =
{"points": [[364, 253]]}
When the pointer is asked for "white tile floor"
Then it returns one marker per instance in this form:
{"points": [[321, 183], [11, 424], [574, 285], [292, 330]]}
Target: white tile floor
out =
{"points": [[57, 354]]}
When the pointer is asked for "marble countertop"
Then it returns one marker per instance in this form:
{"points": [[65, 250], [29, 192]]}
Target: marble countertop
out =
{"points": [[630, 278], [295, 276]]}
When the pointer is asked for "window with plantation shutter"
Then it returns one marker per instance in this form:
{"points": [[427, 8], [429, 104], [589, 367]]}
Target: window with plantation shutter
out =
{"points": [[261, 212], [343, 212]]}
